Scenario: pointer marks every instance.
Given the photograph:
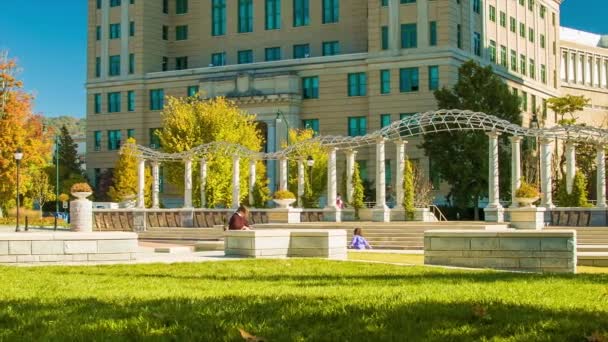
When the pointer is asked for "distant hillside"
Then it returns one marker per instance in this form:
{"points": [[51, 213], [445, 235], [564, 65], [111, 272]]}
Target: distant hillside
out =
{"points": [[74, 125]]}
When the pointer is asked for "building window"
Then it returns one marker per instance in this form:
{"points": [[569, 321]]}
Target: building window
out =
{"points": [[531, 5], [114, 3], [492, 13], [114, 65], [503, 19], [114, 140], [531, 34], [331, 11], [533, 103], [522, 64], [181, 6], [165, 32], [301, 51], [409, 36], [165, 64], [97, 140], [331, 48], [131, 101], [385, 120], [477, 6], [218, 10], [166, 6], [113, 102], [542, 41], [273, 14], [98, 33], [503, 56], [433, 77], [97, 67], [130, 133], [272, 54], [301, 11], [312, 124], [543, 11], [406, 116], [512, 24], [245, 56], [477, 43], [532, 69], [181, 32], [114, 31], [192, 91], [522, 2], [157, 99], [132, 28], [131, 63], [522, 30], [385, 81], [492, 51], [153, 137], [98, 4], [310, 87], [181, 63], [433, 33], [357, 126], [97, 103], [384, 37], [357, 84], [218, 59], [408, 80], [513, 60], [543, 73], [459, 36], [245, 16], [524, 101]]}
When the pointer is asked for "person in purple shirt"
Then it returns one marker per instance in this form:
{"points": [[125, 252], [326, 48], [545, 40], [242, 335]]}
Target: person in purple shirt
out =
{"points": [[359, 242]]}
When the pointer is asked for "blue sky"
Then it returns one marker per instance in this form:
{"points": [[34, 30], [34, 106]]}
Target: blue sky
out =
{"points": [[50, 44]]}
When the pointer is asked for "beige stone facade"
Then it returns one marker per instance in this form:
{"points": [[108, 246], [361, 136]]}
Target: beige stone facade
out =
{"points": [[364, 37]]}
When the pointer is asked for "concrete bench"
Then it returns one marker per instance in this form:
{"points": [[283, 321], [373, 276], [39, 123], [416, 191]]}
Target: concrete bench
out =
{"points": [[283, 243], [517, 250], [66, 247]]}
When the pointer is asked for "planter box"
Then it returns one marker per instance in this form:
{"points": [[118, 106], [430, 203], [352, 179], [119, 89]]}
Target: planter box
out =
{"points": [[284, 215], [527, 217]]}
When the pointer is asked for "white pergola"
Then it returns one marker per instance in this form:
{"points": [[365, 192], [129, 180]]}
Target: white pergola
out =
{"points": [[415, 125]]}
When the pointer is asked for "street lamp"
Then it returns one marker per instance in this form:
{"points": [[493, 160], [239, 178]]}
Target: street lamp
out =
{"points": [[18, 157], [280, 118], [310, 162]]}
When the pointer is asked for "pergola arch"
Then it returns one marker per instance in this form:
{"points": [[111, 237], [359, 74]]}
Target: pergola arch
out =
{"points": [[452, 120]]}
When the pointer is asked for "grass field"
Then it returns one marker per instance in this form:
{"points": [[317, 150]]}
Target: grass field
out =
{"points": [[297, 300]]}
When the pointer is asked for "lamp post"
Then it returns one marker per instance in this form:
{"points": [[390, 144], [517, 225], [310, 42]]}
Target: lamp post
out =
{"points": [[310, 162], [279, 119], [18, 157], [534, 125]]}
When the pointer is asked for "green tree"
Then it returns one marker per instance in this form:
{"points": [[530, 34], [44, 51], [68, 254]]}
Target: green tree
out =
{"points": [[461, 157], [357, 201], [125, 178], [567, 105], [578, 196], [40, 188], [312, 191], [70, 172], [409, 190], [191, 122]]}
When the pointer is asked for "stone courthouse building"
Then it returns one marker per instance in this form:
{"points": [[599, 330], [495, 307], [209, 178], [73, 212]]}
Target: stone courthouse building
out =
{"points": [[340, 67]]}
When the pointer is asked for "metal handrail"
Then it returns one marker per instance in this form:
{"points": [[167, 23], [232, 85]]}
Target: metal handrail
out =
{"points": [[437, 212]]}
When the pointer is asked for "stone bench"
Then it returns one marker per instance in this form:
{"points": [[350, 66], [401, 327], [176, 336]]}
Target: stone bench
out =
{"points": [[283, 243], [66, 247], [516, 250]]}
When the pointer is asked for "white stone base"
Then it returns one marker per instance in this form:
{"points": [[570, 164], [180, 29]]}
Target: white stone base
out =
{"points": [[494, 214], [527, 217], [381, 215], [365, 214], [332, 215], [284, 215], [420, 215], [81, 215], [348, 215]]}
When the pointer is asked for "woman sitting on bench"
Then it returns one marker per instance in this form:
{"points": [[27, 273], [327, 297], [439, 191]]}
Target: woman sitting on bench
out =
{"points": [[238, 220]]}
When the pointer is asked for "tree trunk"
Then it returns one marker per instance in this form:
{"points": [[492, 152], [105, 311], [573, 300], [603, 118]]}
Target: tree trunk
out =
{"points": [[475, 207]]}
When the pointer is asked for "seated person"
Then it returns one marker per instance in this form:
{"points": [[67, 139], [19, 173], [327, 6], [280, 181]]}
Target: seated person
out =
{"points": [[359, 242], [238, 220]]}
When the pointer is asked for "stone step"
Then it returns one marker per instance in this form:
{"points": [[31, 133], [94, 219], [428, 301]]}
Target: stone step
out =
{"points": [[592, 248], [173, 249]]}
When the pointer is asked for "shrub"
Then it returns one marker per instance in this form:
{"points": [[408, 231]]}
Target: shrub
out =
{"points": [[81, 187], [283, 194], [408, 190], [578, 196], [64, 198], [527, 190]]}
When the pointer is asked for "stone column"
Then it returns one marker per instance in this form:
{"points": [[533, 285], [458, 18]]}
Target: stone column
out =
{"points": [[400, 162], [515, 168], [494, 212], [601, 176], [236, 181], [283, 174], [141, 183], [271, 165], [394, 27], [546, 153], [155, 184], [350, 170], [300, 182], [331, 179], [570, 165], [188, 183], [380, 175], [203, 179], [252, 175]]}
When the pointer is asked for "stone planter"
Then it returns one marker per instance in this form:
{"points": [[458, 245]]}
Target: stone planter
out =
{"points": [[81, 213], [526, 202], [527, 217], [284, 203], [284, 215]]}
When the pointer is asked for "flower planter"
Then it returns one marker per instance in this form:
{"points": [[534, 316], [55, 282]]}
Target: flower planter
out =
{"points": [[526, 202], [284, 203], [527, 217]]}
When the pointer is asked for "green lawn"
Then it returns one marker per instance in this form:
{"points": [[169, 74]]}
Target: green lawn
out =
{"points": [[297, 300]]}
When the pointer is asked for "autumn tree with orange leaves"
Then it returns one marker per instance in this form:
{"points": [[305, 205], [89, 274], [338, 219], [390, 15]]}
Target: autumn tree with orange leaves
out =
{"points": [[19, 128]]}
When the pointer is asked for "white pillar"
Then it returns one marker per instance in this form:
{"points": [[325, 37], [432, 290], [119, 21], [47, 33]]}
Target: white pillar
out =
{"points": [[331, 179], [380, 175], [282, 174], [155, 184], [400, 162], [546, 153], [300, 182], [141, 183], [236, 182], [188, 183], [570, 165], [203, 179], [493, 175], [350, 170], [515, 168], [252, 175], [601, 176], [394, 26]]}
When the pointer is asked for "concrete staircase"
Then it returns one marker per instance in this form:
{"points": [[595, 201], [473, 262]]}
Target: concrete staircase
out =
{"points": [[589, 239]]}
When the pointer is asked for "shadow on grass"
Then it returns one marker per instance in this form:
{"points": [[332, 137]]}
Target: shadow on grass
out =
{"points": [[289, 318]]}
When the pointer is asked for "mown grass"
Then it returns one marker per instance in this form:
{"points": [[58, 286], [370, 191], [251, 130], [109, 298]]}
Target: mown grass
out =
{"points": [[297, 300]]}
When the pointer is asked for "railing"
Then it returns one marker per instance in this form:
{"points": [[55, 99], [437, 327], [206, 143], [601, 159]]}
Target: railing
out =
{"points": [[437, 212]]}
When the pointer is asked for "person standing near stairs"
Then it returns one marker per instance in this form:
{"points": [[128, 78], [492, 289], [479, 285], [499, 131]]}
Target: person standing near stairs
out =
{"points": [[359, 242]]}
